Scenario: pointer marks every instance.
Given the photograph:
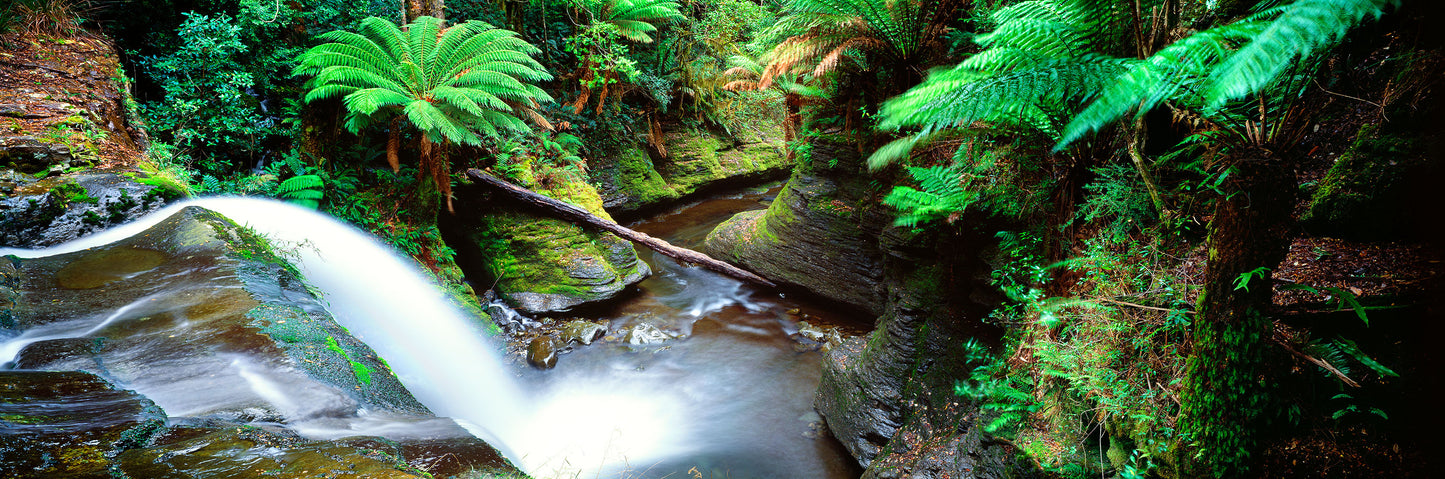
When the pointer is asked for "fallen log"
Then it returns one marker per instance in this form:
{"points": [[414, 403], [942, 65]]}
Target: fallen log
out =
{"points": [[578, 215]]}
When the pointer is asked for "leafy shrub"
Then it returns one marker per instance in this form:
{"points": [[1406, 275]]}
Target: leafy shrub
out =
{"points": [[209, 111]]}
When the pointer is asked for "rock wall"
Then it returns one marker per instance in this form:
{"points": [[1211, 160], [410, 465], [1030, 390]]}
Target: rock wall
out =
{"points": [[633, 180], [540, 264], [69, 141], [820, 234], [887, 396]]}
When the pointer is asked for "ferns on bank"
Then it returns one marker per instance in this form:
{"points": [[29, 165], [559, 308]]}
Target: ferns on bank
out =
{"points": [[304, 190], [943, 196]]}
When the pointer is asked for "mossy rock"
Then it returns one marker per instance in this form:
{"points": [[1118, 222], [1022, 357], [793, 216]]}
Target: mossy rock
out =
{"points": [[821, 233], [1366, 193], [631, 180], [57, 209], [540, 264]]}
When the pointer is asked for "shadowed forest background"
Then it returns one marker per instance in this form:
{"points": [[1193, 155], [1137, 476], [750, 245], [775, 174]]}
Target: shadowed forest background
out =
{"points": [[1065, 238]]}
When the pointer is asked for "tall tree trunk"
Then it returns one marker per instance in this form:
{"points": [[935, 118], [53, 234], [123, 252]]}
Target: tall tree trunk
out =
{"points": [[425, 8], [1226, 398]]}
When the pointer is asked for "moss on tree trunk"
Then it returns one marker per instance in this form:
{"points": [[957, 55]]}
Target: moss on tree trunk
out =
{"points": [[1225, 396]]}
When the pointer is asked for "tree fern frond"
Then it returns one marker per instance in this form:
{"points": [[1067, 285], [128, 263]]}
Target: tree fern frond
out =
{"points": [[1301, 29], [942, 196]]}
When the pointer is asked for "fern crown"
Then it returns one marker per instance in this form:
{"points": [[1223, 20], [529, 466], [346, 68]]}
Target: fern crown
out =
{"points": [[450, 83], [1039, 63]]}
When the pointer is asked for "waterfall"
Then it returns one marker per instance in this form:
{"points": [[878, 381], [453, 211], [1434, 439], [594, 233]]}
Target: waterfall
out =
{"points": [[379, 296]]}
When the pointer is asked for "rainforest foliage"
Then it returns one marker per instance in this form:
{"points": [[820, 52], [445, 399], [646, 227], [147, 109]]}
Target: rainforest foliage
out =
{"points": [[1140, 163]]}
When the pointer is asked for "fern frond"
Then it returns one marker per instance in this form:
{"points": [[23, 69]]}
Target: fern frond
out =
{"points": [[1301, 29]]}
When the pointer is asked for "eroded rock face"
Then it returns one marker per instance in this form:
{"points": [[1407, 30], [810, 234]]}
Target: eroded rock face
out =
{"points": [[634, 179], [38, 213], [821, 233], [541, 264], [888, 396]]}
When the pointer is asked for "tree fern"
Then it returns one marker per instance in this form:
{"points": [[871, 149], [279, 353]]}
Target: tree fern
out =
{"points": [[455, 84], [817, 37], [1232, 61], [635, 19], [1042, 59]]}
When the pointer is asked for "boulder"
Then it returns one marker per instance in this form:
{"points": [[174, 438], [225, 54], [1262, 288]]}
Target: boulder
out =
{"points": [[540, 264], [819, 234], [582, 332], [542, 352]]}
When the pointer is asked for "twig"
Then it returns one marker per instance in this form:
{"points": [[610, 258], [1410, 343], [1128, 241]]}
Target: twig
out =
{"points": [[1342, 95], [1136, 305], [1317, 361]]}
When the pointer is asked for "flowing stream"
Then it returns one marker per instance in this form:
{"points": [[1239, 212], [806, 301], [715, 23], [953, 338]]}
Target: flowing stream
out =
{"points": [[731, 398]]}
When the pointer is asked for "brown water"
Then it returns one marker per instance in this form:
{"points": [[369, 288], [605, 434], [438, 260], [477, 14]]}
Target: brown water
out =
{"points": [[733, 396]]}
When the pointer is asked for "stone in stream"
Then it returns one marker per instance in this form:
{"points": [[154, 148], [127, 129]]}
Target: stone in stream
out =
{"points": [[584, 332], [542, 352], [645, 334]]}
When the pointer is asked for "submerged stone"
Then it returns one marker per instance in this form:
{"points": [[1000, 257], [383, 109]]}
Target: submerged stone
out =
{"points": [[646, 334], [105, 266], [542, 352], [583, 332], [244, 451], [68, 423]]}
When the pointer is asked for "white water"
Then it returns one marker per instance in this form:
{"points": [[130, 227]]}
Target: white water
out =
{"points": [[436, 351]]}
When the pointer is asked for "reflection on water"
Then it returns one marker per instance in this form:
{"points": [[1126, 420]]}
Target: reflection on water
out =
{"points": [[731, 398]]}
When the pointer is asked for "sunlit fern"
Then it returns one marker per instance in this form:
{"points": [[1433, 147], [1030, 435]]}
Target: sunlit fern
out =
{"points": [[304, 190], [454, 84], [943, 196]]}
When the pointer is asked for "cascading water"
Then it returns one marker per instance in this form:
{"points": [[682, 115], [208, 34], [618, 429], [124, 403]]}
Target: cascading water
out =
{"points": [[436, 350], [732, 399]]}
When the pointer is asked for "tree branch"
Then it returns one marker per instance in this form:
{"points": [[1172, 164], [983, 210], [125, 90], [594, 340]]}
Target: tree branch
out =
{"points": [[578, 215]]}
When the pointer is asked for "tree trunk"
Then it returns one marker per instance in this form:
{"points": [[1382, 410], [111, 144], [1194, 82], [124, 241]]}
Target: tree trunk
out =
{"points": [[1226, 397], [425, 8], [578, 215]]}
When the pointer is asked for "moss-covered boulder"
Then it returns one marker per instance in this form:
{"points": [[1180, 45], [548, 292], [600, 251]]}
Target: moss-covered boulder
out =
{"points": [[540, 264], [1367, 193], [821, 233], [631, 179]]}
